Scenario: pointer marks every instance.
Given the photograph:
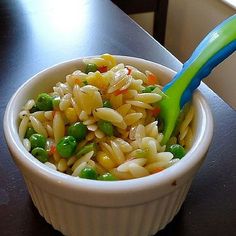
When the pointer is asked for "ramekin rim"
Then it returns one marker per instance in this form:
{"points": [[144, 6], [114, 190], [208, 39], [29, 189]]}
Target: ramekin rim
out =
{"points": [[153, 180]]}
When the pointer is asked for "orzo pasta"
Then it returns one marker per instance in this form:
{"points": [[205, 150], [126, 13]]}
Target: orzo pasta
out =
{"points": [[102, 123]]}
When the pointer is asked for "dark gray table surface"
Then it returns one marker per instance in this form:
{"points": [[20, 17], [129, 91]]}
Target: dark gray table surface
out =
{"points": [[38, 34]]}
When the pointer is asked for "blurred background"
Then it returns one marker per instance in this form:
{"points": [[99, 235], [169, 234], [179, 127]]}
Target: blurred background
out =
{"points": [[180, 25]]}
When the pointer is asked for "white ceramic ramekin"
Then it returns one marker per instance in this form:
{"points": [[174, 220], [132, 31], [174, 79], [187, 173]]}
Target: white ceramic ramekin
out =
{"points": [[83, 207]]}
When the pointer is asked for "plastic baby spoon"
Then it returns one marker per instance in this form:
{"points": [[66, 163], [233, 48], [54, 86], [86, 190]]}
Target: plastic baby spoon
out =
{"points": [[213, 49]]}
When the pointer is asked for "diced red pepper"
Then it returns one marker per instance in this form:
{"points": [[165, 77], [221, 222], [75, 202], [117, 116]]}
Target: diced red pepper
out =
{"points": [[118, 92], [155, 112], [129, 70], [102, 69], [152, 79], [52, 149], [78, 81], [158, 169]]}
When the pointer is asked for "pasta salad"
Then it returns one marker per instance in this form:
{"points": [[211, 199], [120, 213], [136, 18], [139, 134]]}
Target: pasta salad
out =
{"points": [[102, 123]]}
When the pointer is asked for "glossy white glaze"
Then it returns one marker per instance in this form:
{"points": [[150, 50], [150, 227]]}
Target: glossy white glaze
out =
{"points": [[87, 207]]}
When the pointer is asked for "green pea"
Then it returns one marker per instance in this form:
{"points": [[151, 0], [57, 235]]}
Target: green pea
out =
{"points": [[177, 150], [29, 132], [106, 127], [66, 146], [107, 177], [107, 103], [148, 89], [44, 102], [37, 140], [40, 154], [88, 173], [91, 67], [56, 102], [85, 149], [78, 130]]}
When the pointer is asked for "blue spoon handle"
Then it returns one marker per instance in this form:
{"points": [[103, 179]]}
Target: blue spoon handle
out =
{"points": [[214, 48]]}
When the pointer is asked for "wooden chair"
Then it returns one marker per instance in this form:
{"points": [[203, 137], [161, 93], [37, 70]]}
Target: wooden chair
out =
{"points": [[159, 7]]}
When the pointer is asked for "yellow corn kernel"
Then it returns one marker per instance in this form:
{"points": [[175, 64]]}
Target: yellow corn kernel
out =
{"points": [[111, 61], [105, 161], [98, 80], [71, 115]]}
